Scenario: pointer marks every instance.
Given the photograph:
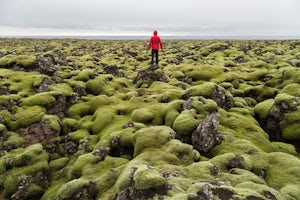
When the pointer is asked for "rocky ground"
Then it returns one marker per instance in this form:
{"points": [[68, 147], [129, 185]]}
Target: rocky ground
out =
{"points": [[83, 119]]}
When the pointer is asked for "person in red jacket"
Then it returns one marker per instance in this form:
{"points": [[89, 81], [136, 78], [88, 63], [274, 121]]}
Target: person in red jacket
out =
{"points": [[155, 44]]}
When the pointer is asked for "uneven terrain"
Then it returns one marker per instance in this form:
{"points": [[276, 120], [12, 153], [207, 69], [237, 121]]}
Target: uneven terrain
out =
{"points": [[91, 119]]}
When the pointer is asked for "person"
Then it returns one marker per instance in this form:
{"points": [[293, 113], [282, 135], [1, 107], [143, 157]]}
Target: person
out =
{"points": [[155, 44]]}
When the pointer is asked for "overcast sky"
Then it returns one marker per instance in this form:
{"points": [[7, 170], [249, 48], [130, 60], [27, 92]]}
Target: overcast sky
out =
{"points": [[139, 17]]}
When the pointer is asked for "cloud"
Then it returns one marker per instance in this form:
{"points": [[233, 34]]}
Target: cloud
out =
{"points": [[188, 17]]}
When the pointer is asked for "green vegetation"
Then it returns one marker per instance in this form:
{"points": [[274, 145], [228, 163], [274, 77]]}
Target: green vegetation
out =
{"points": [[85, 119]]}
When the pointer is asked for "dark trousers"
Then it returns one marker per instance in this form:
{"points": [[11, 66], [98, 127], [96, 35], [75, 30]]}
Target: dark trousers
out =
{"points": [[154, 53]]}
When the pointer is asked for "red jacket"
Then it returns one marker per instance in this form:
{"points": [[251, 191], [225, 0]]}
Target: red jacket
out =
{"points": [[155, 42]]}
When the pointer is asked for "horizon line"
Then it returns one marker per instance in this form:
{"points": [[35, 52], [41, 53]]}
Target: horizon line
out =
{"points": [[71, 36]]}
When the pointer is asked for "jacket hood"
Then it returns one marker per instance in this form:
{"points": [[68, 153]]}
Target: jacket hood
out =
{"points": [[155, 33]]}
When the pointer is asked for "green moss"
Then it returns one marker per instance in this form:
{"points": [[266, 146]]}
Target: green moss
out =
{"points": [[31, 160], [101, 85], [98, 101], [288, 100], [14, 141], [79, 134], [199, 170], [85, 74], [26, 116], [83, 161], [68, 124], [260, 92], [290, 191], [174, 152], [205, 89], [21, 60], [33, 191], [285, 148], [186, 122], [204, 106], [63, 88], [2, 128], [147, 178], [102, 117], [151, 137], [202, 73], [283, 170], [291, 75], [142, 115], [291, 132], [53, 121], [78, 110], [245, 127], [292, 89], [71, 188], [20, 82], [262, 189], [262, 109], [58, 164], [45, 99]]}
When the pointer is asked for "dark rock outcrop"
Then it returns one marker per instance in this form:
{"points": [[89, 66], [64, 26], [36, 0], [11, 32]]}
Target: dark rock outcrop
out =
{"points": [[206, 136]]}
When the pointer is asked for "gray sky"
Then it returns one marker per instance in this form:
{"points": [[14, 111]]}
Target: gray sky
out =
{"points": [[139, 17]]}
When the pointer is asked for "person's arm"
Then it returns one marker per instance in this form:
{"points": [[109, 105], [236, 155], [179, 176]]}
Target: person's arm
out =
{"points": [[160, 42], [150, 43]]}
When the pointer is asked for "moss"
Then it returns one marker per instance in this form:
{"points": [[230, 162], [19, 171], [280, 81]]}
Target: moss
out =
{"points": [[79, 134], [85, 75], [186, 122], [26, 116], [97, 101], [202, 73], [21, 60], [291, 75], [142, 115], [290, 191], [254, 157], [288, 100], [204, 106], [174, 152], [173, 94], [151, 137], [45, 99], [78, 110], [292, 89], [68, 125], [58, 164], [14, 141], [33, 191], [283, 169], [245, 127], [291, 132], [262, 189], [100, 85], [200, 170], [262, 109], [2, 128], [53, 121], [71, 188], [147, 178], [63, 88], [170, 117], [205, 89], [83, 161], [102, 117], [20, 82], [285, 148], [260, 92], [33, 159]]}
